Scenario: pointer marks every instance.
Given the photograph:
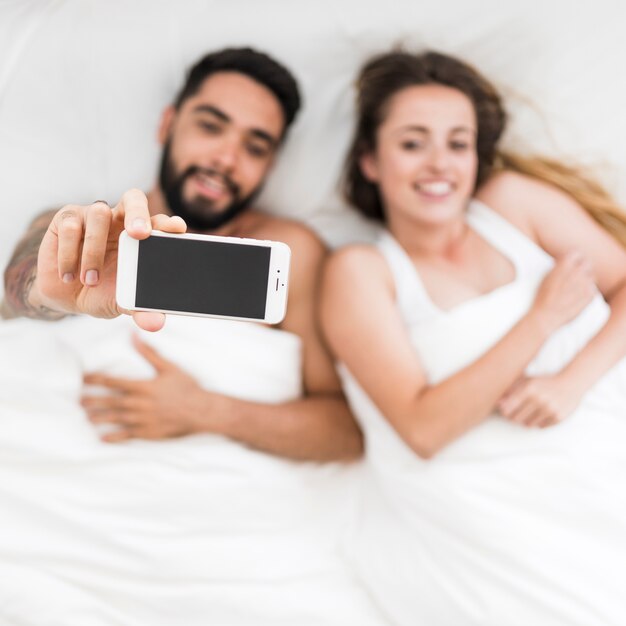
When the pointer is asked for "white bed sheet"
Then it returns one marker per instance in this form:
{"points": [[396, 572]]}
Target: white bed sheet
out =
{"points": [[188, 531]]}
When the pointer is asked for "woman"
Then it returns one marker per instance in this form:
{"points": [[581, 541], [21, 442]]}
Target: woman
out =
{"points": [[484, 364]]}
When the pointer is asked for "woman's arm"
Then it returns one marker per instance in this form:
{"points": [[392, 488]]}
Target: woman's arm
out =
{"points": [[556, 222], [363, 327]]}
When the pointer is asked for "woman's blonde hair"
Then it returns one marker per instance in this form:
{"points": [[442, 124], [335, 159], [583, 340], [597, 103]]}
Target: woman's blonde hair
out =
{"points": [[384, 75]]}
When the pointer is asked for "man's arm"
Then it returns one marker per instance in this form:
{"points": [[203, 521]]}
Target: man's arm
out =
{"points": [[316, 427], [319, 426], [67, 261], [21, 272]]}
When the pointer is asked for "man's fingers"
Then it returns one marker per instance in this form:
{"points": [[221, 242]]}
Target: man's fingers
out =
{"points": [[169, 224], [112, 382], [97, 224], [112, 402], [151, 355], [68, 227], [133, 211], [147, 320], [123, 418], [125, 433], [117, 436]]}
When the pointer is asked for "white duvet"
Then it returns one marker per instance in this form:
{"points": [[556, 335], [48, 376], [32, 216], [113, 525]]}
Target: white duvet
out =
{"points": [[506, 526], [199, 530]]}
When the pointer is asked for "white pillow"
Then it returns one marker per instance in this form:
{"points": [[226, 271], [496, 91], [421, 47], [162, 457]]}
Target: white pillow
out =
{"points": [[82, 85]]}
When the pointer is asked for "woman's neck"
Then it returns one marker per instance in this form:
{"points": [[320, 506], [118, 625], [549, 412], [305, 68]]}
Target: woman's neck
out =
{"points": [[429, 240]]}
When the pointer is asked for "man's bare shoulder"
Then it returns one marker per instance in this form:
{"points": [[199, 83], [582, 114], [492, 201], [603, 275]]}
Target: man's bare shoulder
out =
{"points": [[302, 240]]}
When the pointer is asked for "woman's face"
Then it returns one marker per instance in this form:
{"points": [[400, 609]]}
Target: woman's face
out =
{"points": [[425, 158]]}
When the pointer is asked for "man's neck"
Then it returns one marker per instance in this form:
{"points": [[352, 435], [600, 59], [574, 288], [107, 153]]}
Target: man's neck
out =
{"points": [[237, 227]]}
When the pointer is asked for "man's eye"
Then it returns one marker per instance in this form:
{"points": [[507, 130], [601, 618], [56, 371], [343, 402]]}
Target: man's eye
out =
{"points": [[210, 127], [257, 150]]}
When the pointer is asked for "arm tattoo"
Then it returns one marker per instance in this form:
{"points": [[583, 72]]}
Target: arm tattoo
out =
{"points": [[21, 273]]}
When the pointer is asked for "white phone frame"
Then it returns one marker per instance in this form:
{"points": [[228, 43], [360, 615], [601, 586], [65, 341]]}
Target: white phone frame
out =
{"points": [[277, 283]]}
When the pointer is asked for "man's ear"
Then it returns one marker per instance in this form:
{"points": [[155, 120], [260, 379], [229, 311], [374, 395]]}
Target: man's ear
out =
{"points": [[369, 166], [167, 119]]}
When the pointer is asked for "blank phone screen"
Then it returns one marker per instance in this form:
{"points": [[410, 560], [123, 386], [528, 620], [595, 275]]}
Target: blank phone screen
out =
{"points": [[196, 276]]}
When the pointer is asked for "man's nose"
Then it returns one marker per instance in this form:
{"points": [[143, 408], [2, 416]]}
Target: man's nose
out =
{"points": [[226, 154]]}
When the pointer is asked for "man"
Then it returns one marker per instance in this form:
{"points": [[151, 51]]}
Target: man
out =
{"points": [[219, 140]]}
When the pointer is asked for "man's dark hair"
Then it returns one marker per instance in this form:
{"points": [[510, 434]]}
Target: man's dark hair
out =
{"points": [[256, 65]]}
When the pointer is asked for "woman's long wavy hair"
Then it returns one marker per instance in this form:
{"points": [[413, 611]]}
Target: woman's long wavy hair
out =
{"points": [[385, 75]]}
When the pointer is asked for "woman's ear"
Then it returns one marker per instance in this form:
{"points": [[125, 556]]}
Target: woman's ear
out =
{"points": [[167, 119], [369, 166]]}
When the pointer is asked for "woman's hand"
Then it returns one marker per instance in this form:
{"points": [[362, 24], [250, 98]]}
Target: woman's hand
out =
{"points": [[540, 402], [564, 292]]}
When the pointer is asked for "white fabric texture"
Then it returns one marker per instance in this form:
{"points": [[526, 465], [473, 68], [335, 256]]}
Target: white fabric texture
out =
{"points": [[199, 530], [505, 525]]}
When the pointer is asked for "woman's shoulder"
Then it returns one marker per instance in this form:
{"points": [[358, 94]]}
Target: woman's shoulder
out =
{"points": [[522, 200], [511, 195], [357, 258], [511, 187], [536, 207], [360, 265]]}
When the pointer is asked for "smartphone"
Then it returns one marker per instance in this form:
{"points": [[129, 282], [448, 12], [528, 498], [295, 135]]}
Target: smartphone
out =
{"points": [[204, 275]]}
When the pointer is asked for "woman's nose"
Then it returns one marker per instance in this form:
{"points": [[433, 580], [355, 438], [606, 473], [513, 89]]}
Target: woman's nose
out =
{"points": [[438, 157]]}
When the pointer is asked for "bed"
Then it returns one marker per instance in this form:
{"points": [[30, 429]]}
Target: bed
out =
{"points": [[202, 530]]}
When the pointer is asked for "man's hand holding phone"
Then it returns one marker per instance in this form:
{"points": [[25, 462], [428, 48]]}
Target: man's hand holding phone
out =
{"points": [[77, 262]]}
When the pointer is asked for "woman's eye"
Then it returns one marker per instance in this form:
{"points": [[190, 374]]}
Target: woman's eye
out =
{"points": [[411, 145], [459, 145]]}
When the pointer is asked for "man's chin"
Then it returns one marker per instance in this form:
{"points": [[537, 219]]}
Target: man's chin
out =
{"points": [[204, 221], [201, 205], [201, 209], [201, 215], [201, 219]]}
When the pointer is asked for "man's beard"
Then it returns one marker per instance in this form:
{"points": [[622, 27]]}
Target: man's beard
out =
{"points": [[198, 214]]}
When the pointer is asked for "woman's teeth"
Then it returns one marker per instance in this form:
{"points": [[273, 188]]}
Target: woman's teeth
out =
{"points": [[439, 188]]}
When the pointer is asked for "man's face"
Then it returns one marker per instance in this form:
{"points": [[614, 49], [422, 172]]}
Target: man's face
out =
{"points": [[218, 148]]}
